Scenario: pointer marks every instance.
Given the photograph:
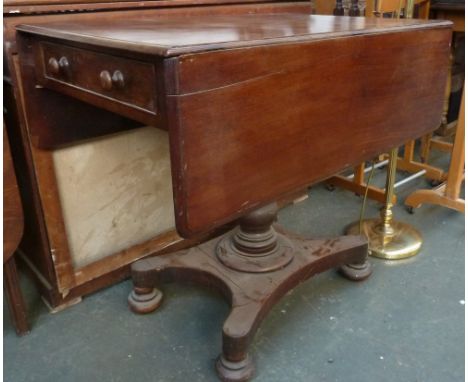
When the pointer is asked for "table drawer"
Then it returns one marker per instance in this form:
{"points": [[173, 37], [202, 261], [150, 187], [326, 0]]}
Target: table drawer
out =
{"points": [[128, 81]]}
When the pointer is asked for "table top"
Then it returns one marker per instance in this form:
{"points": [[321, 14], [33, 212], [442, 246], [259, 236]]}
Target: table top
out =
{"points": [[256, 106], [175, 35]]}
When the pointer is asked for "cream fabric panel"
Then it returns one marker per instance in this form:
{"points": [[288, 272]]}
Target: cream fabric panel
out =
{"points": [[115, 192]]}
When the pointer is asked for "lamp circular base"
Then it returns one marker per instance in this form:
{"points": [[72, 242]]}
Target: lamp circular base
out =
{"points": [[404, 242]]}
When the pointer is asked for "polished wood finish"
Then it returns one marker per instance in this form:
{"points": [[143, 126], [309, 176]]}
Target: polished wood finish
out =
{"points": [[61, 282], [13, 224], [313, 155], [97, 75], [243, 102], [407, 162], [189, 88], [156, 9], [195, 87], [167, 37]]}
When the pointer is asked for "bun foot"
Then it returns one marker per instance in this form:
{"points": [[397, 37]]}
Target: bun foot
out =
{"points": [[356, 272], [240, 371], [144, 300]]}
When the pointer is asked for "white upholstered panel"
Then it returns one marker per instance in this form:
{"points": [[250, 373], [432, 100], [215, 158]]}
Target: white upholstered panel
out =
{"points": [[115, 192]]}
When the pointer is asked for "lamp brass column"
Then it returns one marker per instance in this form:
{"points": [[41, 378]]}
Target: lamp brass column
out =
{"points": [[409, 9], [389, 239]]}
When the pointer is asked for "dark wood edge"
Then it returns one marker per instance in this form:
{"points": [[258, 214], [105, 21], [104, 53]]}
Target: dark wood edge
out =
{"points": [[54, 298], [163, 243], [145, 116], [27, 148], [52, 224], [149, 116], [99, 274], [11, 22], [167, 51]]}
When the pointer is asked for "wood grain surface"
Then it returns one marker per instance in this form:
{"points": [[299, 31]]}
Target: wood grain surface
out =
{"points": [[269, 120], [175, 35], [259, 106], [35, 166]]}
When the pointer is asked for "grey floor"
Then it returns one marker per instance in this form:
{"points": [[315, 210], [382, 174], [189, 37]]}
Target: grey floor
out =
{"points": [[406, 323]]}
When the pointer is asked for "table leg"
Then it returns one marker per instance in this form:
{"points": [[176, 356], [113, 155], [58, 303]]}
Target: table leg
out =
{"points": [[253, 266]]}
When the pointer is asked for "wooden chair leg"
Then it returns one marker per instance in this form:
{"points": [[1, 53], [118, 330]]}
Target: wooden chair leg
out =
{"points": [[425, 149], [358, 184], [14, 297], [457, 162], [443, 130], [439, 145], [359, 173], [448, 194], [407, 163]]}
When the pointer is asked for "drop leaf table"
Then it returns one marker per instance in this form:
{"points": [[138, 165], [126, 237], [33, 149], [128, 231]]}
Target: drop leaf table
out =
{"points": [[256, 107]]}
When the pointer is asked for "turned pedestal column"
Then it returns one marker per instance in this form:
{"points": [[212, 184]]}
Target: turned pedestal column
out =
{"points": [[253, 266]]}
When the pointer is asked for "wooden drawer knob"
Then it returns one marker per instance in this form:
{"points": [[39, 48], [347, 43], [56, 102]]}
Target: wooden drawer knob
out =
{"points": [[108, 81], [64, 66], [53, 65], [118, 79], [61, 66]]}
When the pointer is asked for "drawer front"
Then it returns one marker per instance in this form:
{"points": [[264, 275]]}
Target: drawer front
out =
{"points": [[127, 81]]}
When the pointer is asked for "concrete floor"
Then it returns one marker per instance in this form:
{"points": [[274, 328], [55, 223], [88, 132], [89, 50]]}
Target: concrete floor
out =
{"points": [[406, 323]]}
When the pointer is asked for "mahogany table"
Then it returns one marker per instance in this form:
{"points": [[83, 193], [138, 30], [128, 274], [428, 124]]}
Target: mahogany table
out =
{"points": [[256, 107], [68, 255]]}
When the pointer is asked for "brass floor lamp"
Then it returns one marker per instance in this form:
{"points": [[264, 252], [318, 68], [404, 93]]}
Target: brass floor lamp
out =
{"points": [[389, 239]]}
